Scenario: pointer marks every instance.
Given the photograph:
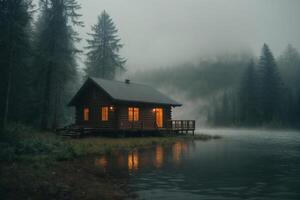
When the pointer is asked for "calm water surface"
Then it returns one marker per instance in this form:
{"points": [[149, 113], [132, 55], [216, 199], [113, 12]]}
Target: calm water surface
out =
{"points": [[241, 165]]}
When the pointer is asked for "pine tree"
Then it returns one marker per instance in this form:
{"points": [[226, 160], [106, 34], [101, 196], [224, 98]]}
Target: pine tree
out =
{"points": [[15, 20], [248, 96], [270, 85], [297, 108], [234, 108], [103, 59], [225, 109], [54, 63], [289, 65], [288, 113]]}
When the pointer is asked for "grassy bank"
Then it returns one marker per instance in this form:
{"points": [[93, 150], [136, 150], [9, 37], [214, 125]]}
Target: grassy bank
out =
{"points": [[42, 165], [23, 143]]}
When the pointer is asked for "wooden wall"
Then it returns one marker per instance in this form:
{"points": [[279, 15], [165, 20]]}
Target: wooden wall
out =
{"points": [[93, 98], [147, 117]]}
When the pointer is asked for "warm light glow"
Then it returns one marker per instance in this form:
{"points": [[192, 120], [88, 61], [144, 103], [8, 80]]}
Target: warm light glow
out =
{"points": [[133, 114], [136, 114], [104, 113], [133, 161], [86, 113], [153, 110], [177, 150], [159, 156], [159, 117], [130, 114], [103, 163], [111, 108]]}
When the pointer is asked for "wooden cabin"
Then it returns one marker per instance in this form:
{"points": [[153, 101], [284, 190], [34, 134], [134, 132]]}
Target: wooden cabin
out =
{"points": [[108, 105]]}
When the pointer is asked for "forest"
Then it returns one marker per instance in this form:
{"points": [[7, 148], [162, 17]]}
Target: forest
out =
{"points": [[233, 65], [237, 90], [39, 71]]}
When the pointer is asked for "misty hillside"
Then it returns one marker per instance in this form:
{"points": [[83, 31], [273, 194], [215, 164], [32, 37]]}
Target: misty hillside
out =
{"points": [[201, 59], [201, 80], [214, 85]]}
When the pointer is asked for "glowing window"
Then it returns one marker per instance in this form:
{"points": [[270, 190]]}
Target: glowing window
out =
{"points": [[159, 117], [104, 113], [86, 113], [136, 114], [133, 114]]}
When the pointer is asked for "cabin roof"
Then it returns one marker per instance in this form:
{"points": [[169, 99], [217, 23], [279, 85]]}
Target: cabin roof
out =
{"points": [[129, 92]]}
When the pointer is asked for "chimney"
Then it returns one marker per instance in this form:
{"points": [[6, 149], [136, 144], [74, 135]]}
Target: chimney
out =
{"points": [[127, 81]]}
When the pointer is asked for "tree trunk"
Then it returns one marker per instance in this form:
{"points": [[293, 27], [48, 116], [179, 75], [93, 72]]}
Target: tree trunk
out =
{"points": [[7, 99], [56, 105], [9, 83], [46, 98]]}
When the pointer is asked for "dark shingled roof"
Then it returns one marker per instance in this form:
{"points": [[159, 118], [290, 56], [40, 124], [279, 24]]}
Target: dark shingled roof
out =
{"points": [[131, 92]]}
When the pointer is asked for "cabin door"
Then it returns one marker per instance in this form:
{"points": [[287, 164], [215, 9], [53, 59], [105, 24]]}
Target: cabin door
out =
{"points": [[159, 117]]}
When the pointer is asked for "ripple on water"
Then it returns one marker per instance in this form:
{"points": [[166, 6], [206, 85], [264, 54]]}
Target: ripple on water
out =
{"points": [[244, 164]]}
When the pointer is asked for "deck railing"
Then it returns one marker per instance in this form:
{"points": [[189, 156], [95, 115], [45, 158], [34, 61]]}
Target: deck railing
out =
{"points": [[175, 126], [182, 125], [172, 126]]}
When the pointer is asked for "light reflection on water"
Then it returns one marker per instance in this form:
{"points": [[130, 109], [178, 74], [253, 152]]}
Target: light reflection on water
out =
{"points": [[133, 161], [145, 158], [159, 156], [241, 165]]}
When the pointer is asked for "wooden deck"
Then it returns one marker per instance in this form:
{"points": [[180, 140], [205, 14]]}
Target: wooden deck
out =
{"points": [[134, 129], [182, 126]]}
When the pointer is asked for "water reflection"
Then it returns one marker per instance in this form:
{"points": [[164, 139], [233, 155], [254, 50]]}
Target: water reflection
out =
{"points": [[133, 161], [240, 166], [102, 162], [180, 150], [155, 157], [159, 156], [121, 160]]}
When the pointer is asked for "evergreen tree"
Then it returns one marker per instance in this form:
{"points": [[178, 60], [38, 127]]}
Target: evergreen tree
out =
{"points": [[15, 18], [234, 108], [54, 63], [216, 112], [296, 107], [103, 59], [248, 96], [225, 110], [287, 107], [229, 109], [289, 65], [270, 85]]}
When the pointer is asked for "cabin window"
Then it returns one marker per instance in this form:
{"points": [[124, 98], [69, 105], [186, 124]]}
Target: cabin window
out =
{"points": [[104, 113], [133, 114], [159, 117], [86, 114]]}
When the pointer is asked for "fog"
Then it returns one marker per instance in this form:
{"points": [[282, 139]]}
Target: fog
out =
{"points": [[169, 44], [159, 33], [169, 33]]}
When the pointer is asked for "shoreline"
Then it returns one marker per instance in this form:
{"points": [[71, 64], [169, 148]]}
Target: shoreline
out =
{"points": [[39, 165]]}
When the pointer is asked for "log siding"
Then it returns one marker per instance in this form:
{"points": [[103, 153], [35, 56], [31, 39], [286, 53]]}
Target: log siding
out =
{"points": [[94, 97]]}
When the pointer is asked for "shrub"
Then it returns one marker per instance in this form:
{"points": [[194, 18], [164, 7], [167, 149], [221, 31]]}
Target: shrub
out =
{"points": [[7, 152]]}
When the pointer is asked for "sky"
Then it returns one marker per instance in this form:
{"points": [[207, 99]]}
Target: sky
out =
{"points": [[159, 33]]}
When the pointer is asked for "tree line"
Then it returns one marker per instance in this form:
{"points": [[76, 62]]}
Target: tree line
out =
{"points": [[268, 93], [39, 71], [38, 59]]}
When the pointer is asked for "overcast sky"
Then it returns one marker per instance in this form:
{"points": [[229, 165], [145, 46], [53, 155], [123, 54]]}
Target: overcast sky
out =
{"points": [[166, 32]]}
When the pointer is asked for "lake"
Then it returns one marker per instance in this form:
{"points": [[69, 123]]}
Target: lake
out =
{"points": [[244, 164]]}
